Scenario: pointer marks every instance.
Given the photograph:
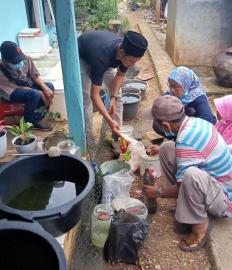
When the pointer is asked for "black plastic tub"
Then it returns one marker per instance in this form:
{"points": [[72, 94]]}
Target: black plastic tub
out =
{"points": [[26, 246], [17, 175]]}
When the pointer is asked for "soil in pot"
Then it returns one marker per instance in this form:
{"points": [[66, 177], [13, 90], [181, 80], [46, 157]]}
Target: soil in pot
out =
{"points": [[44, 191], [18, 141]]}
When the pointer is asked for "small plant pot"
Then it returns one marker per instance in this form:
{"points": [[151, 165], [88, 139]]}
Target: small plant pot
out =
{"points": [[130, 105], [26, 148], [3, 143]]}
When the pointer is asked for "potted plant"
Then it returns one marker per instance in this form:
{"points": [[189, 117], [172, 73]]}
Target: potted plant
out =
{"points": [[25, 141], [3, 140]]}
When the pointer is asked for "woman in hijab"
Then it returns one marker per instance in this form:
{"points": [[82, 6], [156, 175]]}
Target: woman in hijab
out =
{"points": [[224, 115], [184, 84]]}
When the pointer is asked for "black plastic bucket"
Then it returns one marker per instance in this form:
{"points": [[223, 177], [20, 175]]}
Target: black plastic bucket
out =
{"points": [[130, 105], [26, 246], [16, 175]]}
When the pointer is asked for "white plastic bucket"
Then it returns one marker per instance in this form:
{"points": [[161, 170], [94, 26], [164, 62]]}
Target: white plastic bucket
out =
{"points": [[148, 162], [58, 103], [127, 131]]}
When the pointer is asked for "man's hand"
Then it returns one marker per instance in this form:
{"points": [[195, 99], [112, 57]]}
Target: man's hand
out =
{"points": [[48, 95], [112, 107], [115, 127], [153, 150], [149, 191]]}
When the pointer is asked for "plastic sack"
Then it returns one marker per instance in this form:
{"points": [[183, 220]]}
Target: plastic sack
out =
{"points": [[125, 237], [137, 149], [116, 185]]}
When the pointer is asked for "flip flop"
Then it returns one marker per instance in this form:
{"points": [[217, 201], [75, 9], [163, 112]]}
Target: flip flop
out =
{"points": [[193, 244]]}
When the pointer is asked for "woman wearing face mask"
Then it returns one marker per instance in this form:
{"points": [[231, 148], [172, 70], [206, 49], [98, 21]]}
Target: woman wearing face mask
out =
{"points": [[184, 84], [20, 82]]}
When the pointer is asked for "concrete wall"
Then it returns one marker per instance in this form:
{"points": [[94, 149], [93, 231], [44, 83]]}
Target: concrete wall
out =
{"points": [[13, 18], [197, 30]]}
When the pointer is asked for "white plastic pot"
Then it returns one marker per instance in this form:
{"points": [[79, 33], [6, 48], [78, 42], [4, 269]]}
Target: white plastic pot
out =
{"points": [[3, 144], [58, 103], [27, 148], [148, 162]]}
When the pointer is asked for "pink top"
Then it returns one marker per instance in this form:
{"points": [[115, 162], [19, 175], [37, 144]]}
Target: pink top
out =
{"points": [[224, 126]]}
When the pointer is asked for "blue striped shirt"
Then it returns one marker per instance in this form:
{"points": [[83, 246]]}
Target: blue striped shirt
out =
{"points": [[199, 144]]}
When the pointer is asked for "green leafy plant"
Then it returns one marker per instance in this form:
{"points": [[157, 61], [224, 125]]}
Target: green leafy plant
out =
{"points": [[55, 116], [42, 111], [23, 131], [124, 24], [64, 132], [97, 12]]}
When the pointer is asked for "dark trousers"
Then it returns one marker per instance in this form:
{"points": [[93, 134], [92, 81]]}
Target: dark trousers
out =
{"points": [[35, 108]]}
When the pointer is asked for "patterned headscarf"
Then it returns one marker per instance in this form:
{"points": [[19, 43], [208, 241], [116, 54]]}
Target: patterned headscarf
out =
{"points": [[190, 83]]}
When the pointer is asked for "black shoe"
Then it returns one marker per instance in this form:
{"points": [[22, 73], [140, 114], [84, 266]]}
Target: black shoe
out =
{"points": [[39, 125]]}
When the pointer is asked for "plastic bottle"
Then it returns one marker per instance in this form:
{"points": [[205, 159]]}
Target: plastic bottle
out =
{"points": [[98, 182], [149, 179]]}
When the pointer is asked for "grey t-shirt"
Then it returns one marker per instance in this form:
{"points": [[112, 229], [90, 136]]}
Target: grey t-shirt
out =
{"points": [[98, 50]]}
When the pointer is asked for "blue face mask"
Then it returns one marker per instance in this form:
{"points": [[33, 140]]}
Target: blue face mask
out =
{"points": [[16, 66], [184, 94], [169, 134]]}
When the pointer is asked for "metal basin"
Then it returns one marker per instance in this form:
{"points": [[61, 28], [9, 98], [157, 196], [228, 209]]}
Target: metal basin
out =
{"points": [[136, 85]]}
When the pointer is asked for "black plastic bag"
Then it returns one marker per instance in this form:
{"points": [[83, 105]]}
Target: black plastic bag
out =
{"points": [[125, 237]]}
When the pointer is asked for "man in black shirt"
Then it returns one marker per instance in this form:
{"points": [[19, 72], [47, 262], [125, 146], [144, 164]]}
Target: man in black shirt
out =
{"points": [[101, 52]]}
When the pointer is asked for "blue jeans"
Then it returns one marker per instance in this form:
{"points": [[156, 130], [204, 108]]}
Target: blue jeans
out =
{"points": [[32, 100]]}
